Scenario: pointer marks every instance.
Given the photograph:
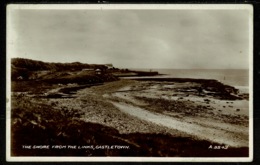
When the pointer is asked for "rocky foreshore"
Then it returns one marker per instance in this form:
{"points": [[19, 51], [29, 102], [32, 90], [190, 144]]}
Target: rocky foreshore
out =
{"points": [[90, 117]]}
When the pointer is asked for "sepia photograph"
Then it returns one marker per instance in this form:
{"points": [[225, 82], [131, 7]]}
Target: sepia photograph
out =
{"points": [[111, 82]]}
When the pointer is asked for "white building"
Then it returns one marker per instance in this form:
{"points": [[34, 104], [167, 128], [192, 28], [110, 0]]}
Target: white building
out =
{"points": [[109, 66]]}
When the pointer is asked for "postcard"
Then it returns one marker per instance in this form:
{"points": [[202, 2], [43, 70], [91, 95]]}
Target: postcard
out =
{"points": [[128, 82]]}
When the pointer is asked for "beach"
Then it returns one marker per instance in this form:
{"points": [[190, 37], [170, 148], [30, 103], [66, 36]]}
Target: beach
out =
{"points": [[173, 105], [189, 109], [146, 82], [200, 116]]}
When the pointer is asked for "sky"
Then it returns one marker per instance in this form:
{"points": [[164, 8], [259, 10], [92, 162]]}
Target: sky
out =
{"points": [[177, 39]]}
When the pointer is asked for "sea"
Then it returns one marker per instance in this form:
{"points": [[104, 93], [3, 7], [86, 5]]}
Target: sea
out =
{"points": [[235, 77]]}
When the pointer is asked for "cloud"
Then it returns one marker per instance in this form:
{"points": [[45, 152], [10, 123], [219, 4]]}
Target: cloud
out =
{"points": [[135, 38]]}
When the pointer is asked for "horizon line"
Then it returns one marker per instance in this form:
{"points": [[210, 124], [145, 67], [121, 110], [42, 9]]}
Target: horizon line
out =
{"points": [[148, 68]]}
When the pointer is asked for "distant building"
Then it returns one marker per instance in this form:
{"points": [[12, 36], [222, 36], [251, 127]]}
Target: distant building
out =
{"points": [[109, 66], [88, 69], [98, 71], [20, 78]]}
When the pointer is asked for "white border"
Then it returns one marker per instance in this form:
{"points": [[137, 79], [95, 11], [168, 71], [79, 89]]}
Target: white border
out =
{"points": [[251, 118], [11, 35], [131, 6]]}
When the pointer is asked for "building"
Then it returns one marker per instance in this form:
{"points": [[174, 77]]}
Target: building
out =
{"points": [[109, 66], [20, 78], [98, 71], [88, 69]]}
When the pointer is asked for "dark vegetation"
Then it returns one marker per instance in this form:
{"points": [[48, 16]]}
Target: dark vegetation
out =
{"points": [[29, 69], [41, 124], [81, 79], [26, 71], [35, 87], [33, 65]]}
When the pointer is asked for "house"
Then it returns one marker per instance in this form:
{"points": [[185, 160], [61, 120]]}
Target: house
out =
{"points": [[20, 78], [109, 66], [88, 69], [98, 71]]}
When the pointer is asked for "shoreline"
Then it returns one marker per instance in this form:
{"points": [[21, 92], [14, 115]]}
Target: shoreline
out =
{"points": [[199, 74], [241, 92], [93, 105], [180, 102]]}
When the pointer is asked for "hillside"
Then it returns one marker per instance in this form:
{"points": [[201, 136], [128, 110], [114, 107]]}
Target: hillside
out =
{"points": [[27, 69], [34, 65]]}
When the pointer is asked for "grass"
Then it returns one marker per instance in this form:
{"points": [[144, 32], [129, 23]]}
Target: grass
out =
{"points": [[31, 86], [53, 79]]}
